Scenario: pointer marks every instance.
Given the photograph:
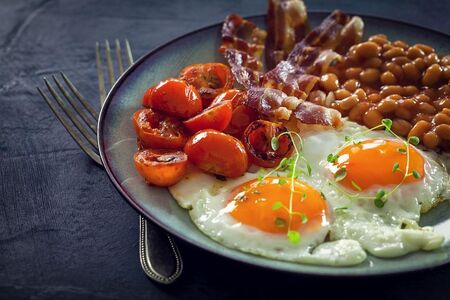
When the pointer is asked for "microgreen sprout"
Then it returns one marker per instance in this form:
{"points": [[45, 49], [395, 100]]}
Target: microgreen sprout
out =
{"points": [[381, 197]]}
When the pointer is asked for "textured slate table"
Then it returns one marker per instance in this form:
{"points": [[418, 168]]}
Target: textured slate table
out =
{"points": [[64, 230]]}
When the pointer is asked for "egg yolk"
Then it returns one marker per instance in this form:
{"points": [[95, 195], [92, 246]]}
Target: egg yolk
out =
{"points": [[371, 163], [257, 204]]}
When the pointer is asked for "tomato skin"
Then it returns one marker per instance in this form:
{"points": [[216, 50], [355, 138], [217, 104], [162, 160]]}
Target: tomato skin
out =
{"points": [[218, 153], [235, 96], [210, 79], [241, 117], [161, 167], [174, 97], [257, 139], [154, 130], [216, 117]]}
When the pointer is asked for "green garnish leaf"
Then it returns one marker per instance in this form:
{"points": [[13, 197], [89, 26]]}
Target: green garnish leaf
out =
{"points": [[282, 181], [357, 187], [308, 168], [380, 194], [322, 194], [341, 208], [416, 174], [387, 123], [274, 143], [331, 158], [347, 138], [414, 140], [283, 163], [293, 236], [277, 205], [340, 174], [378, 202], [401, 150], [280, 222], [304, 219], [395, 167]]}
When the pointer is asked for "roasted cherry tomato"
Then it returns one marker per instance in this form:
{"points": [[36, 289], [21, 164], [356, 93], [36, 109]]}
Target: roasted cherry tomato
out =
{"points": [[210, 79], [155, 130], [161, 167], [235, 96], [174, 97], [218, 153], [216, 117], [258, 143]]}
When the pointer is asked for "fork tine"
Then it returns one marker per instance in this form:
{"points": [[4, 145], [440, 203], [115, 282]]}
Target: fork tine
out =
{"points": [[109, 64], [71, 116], [80, 97], [76, 106], [101, 79], [75, 135], [119, 57], [129, 54]]}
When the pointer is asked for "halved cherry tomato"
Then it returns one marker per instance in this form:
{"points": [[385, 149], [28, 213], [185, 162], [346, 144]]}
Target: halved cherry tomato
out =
{"points": [[235, 96], [241, 117], [216, 117], [210, 79], [218, 153], [258, 143], [174, 97], [161, 167], [156, 130]]}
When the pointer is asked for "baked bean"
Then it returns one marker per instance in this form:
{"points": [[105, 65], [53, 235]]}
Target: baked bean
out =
{"points": [[390, 90], [347, 103], [387, 78], [425, 48], [374, 97], [410, 72], [387, 47], [369, 90], [351, 85], [431, 59], [373, 62], [404, 113], [441, 118], [400, 44], [420, 64], [446, 72], [394, 69], [415, 52], [407, 103], [410, 90], [419, 129], [445, 60], [361, 94], [443, 131], [341, 94], [353, 73], [432, 75], [401, 127], [426, 108], [387, 105], [432, 93], [444, 90], [370, 76], [423, 98], [366, 50], [329, 82], [357, 112], [422, 117], [401, 60], [372, 118], [430, 140], [394, 52], [329, 99], [380, 39]]}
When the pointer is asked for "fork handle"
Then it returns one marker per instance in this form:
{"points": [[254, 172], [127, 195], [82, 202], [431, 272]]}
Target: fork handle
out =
{"points": [[159, 255]]}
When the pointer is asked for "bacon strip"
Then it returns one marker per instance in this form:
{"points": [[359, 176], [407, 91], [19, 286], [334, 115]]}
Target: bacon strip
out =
{"points": [[243, 67], [286, 25]]}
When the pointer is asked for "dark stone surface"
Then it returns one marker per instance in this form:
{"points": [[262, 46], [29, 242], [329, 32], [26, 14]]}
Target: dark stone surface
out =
{"points": [[64, 230]]}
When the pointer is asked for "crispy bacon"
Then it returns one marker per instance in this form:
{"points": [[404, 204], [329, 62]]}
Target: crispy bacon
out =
{"points": [[277, 105], [286, 25], [243, 68]]}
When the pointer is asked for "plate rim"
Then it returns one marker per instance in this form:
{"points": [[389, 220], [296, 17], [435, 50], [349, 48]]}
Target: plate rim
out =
{"points": [[148, 215]]}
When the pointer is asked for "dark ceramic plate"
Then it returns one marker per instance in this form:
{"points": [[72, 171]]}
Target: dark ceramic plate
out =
{"points": [[117, 142]]}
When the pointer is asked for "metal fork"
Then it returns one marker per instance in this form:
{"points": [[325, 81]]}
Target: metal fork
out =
{"points": [[157, 250]]}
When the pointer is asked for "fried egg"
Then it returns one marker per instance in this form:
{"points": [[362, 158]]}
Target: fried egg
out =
{"points": [[369, 161], [332, 226]]}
